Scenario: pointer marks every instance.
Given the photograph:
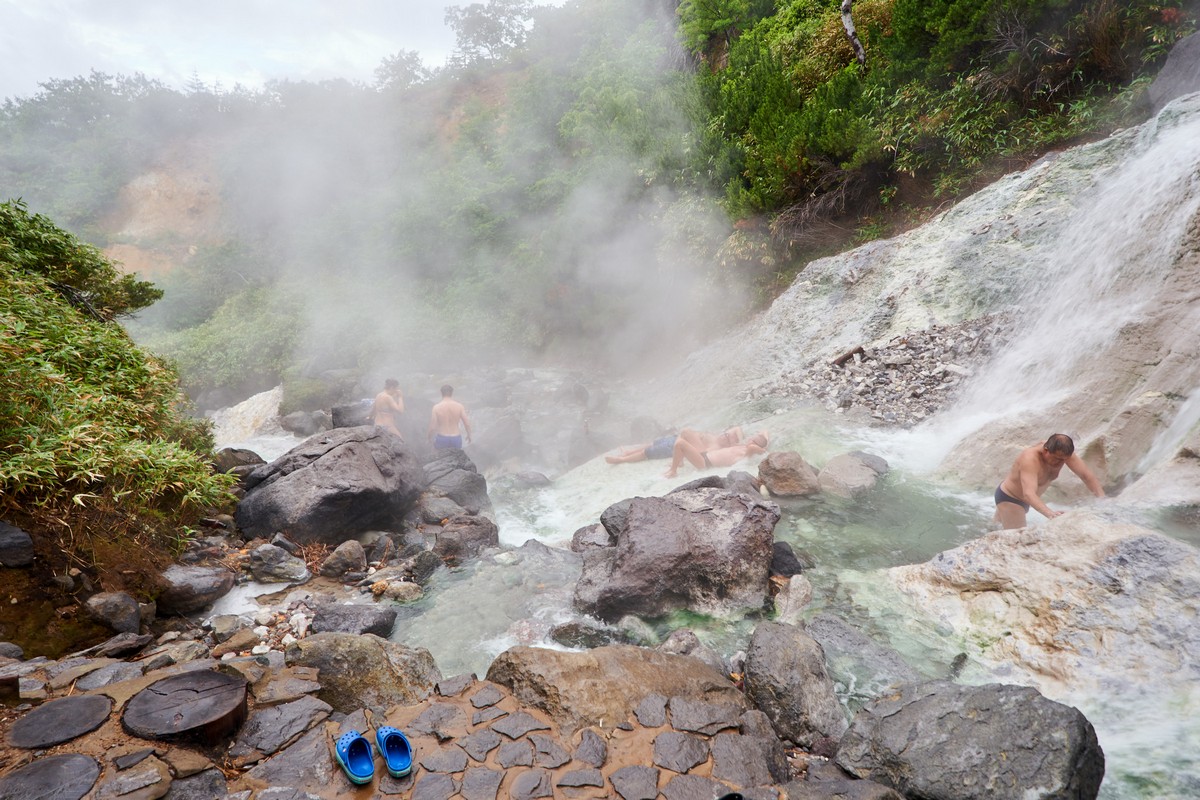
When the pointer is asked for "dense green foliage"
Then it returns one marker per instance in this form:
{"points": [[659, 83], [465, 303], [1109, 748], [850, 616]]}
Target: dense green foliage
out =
{"points": [[950, 88], [86, 417], [587, 181]]}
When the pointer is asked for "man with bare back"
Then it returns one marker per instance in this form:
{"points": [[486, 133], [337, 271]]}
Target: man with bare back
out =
{"points": [[444, 422], [388, 406], [717, 457], [1035, 469]]}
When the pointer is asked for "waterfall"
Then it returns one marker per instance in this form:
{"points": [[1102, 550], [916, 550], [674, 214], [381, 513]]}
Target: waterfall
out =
{"points": [[1098, 286], [253, 424]]}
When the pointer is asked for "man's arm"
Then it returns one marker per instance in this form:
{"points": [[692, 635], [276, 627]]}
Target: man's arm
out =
{"points": [[466, 423], [1029, 486], [1086, 475]]}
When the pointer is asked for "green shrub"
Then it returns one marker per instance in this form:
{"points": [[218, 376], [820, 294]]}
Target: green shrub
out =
{"points": [[86, 416]]}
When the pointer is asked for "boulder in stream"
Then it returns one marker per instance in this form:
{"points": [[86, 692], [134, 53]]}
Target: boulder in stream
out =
{"points": [[705, 550], [332, 487]]}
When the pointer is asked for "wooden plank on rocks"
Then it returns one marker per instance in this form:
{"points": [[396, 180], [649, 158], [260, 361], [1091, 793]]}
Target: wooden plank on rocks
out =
{"points": [[62, 777], [59, 721], [205, 706]]}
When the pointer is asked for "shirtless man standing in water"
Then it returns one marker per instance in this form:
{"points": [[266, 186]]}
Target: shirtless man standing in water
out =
{"points": [[444, 422], [1034, 470], [388, 405]]}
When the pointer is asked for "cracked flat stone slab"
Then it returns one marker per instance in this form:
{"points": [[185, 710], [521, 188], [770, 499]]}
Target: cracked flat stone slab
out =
{"points": [[652, 711], [592, 749], [445, 759], [61, 777], [679, 752], [443, 721], [480, 743], [635, 783], [270, 728], [547, 752], [515, 754], [60, 721], [206, 704], [694, 787], [487, 715], [453, 687], [531, 784], [740, 760], [481, 783], [514, 726], [434, 786], [578, 778], [489, 695], [697, 716]]}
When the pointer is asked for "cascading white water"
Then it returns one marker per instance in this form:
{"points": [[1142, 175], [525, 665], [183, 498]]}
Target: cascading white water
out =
{"points": [[253, 424], [1103, 274]]}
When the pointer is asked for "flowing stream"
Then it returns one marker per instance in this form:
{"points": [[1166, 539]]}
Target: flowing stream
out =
{"points": [[1087, 278]]}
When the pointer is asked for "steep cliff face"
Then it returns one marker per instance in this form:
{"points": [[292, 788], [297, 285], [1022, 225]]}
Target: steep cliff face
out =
{"points": [[163, 215]]}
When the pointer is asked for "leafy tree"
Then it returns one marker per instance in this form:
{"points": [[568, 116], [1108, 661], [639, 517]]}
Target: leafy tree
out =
{"points": [[488, 31], [401, 71], [703, 21]]}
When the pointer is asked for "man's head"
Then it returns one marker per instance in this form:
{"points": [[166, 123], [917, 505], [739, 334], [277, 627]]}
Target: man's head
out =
{"points": [[1060, 444], [729, 437], [759, 439], [391, 383], [447, 390], [1058, 448]]}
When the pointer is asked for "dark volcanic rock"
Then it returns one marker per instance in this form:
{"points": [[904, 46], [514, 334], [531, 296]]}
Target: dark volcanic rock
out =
{"points": [[188, 589], [331, 487], [16, 547], [940, 739], [714, 545]]}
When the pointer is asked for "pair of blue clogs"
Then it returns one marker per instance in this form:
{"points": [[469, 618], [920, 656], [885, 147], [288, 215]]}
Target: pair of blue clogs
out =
{"points": [[355, 757]]}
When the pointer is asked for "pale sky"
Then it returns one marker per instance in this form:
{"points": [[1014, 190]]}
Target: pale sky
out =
{"points": [[230, 41]]}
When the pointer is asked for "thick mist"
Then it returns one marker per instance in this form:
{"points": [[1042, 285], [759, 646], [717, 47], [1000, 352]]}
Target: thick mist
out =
{"points": [[538, 211]]}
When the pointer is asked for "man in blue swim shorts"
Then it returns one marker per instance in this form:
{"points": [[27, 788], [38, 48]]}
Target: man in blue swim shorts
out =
{"points": [[444, 421], [1034, 470]]}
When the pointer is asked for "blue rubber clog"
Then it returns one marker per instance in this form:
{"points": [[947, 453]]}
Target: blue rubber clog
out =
{"points": [[354, 756], [397, 752]]}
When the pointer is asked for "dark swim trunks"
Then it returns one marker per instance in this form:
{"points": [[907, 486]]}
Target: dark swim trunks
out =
{"points": [[1004, 497], [441, 442], [661, 448]]}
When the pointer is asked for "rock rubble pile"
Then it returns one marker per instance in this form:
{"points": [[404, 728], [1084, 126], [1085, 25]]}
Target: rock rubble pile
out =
{"points": [[899, 383]]}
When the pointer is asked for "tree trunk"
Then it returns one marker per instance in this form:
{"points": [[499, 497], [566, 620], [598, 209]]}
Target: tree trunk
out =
{"points": [[851, 34]]}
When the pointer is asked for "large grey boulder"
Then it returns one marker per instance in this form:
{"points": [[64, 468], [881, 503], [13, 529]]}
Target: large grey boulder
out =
{"points": [[1081, 604], [465, 537], [851, 474], [787, 474], [188, 589], [943, 741], [787, 679], [271, 564], [706, 550], [451, 473], [1179, 76], [16, 546], [332, 487], [360, 671]]}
